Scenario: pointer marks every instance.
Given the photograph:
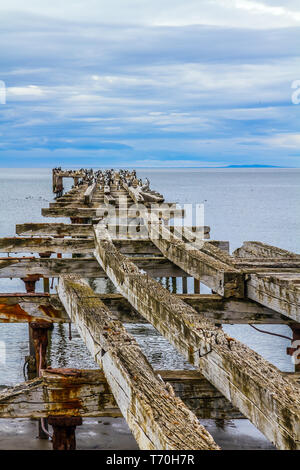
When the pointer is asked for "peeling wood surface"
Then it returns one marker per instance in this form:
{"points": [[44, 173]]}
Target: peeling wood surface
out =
{"points": [[157, 419], [86, 393], [257, 388]]}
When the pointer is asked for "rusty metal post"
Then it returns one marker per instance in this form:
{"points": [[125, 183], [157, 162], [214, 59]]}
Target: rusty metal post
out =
{"points": [[291, 351], [40, 330], [29, 282], [64, 431]]}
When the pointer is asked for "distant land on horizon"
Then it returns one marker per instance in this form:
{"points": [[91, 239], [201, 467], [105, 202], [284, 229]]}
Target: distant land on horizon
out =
{"points": [[253, 166]]}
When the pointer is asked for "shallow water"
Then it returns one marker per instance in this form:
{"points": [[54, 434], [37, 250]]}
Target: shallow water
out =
{"points": [[239, 205]]}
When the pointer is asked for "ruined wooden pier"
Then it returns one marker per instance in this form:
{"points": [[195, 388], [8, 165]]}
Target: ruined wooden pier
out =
{"points": [[121, 229]]}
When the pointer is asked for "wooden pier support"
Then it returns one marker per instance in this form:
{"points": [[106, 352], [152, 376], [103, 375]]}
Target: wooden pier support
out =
{"points": [[157, 419], [259, 283], [252, 384]]}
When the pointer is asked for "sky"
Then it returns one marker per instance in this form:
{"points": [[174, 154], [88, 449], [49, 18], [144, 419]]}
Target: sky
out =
{"points": [[168, 83]]}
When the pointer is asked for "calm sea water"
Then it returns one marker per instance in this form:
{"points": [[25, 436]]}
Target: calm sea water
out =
{"points": [[239, 205]]}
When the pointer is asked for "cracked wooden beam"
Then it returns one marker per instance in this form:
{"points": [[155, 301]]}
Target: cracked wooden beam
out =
{"points": [[258, 389], [86, 393], [20, 308], [157, 419]]}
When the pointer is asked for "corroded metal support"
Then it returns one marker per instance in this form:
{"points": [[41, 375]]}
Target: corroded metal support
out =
{"points": [[30, 282], [40, 341], [64, 431], [40, 330]]}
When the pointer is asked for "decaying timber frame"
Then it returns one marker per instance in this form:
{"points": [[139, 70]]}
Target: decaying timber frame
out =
{"points": [[120, 229]]}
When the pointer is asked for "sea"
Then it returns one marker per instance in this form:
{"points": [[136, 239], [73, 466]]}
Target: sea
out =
{"points": [[239, 204]]}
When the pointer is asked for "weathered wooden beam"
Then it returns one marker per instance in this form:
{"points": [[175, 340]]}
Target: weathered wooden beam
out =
{"points": [[89, 193], [281, 292], [157, 419], [262, 250], [26, 308], [86, 230], [156, 266], [57, 230], [199, 259], [257, 388], [20, 308], [44, 244], [109, 199], [86, 393], [106, 212], [71, 245]]}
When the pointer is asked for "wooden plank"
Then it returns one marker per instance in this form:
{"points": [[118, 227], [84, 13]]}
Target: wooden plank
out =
{"points": [[86, 230], [70, 245], [86, 393], [25, 308], [58, 230], [278, 291], [21, 308], [199, 259], [156, 266], [89, 193], [44, 244], [157, 419], [83, 212], [262, 250], [256, 387], [109, 199]]}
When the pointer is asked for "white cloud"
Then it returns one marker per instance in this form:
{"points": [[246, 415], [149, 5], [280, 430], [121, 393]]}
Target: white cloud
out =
{"points": [[290, 141], [234, 13]]}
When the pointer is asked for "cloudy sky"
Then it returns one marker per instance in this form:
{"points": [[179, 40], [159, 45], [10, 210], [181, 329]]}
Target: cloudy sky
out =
{"points": [[150, 83]]}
